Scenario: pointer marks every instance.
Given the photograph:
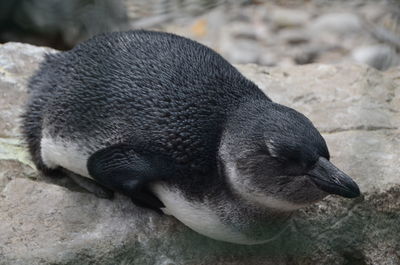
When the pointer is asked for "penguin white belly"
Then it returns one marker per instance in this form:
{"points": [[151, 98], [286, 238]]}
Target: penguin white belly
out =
{"points": [[199, 217], [56, 151]]}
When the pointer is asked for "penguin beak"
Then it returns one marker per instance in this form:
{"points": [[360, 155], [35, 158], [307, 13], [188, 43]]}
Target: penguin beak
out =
{"points": [[330, 179]]}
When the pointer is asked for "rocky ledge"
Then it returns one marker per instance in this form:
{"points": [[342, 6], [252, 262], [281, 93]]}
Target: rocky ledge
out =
{"points": [[356, 108]]}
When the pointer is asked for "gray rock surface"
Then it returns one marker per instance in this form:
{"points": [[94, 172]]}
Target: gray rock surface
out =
{"points": [[356, 108]]}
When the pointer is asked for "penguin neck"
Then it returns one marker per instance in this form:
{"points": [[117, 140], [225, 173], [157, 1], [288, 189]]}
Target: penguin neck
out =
{"points": [[222, 215], [247, 111], [226, 194], [252, 220]]}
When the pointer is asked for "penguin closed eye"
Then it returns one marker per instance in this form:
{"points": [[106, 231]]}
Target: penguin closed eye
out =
{"points": [[281, 161], [172, 125]]}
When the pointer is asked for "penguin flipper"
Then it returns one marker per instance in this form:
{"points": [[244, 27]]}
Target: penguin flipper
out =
{"points": [[127, 169]]}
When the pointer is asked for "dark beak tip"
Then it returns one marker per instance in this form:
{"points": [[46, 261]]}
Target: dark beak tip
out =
{"points": [[330, 179], [351, 190], [354, 193]]}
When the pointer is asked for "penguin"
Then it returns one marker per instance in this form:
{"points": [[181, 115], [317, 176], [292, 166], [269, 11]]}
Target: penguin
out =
{"points": [[171, 124]]}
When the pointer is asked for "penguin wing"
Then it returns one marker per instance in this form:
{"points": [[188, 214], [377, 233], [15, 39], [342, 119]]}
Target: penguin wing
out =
{"points": [[126, 168]]}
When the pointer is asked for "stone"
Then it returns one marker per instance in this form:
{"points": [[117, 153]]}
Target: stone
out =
{"points": [[340, 23], [283, 18], [268, 59], [61, 24], [355, 107], [243, 51], [306, 55], [380, 57], [293, 36], [15, 69]]}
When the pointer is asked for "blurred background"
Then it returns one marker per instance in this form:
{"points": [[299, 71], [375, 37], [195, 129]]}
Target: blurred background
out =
{"points": [[265, 32]]}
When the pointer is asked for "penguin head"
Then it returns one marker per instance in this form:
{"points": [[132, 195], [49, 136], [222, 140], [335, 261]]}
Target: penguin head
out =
{"points": [[274, 156]]}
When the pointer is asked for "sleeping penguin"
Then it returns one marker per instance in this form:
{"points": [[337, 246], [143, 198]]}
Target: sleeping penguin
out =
{"points": [[174, 126]]}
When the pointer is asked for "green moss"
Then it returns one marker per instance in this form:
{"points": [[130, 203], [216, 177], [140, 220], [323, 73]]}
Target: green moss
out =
{"points": [[13, 149]]}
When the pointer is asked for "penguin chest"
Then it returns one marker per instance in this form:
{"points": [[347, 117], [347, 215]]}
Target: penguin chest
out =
{"points": [[58, 152], [199, 216]]}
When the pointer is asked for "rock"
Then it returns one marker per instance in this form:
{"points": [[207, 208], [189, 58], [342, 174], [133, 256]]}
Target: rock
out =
{"points": [[380, 57], [243, 51], [15, 68], [293, 36], [331, 97], [374, 11], [268, 59], [61, 24], [340, 23], [356, 108], [282, 18], [306, 55]]}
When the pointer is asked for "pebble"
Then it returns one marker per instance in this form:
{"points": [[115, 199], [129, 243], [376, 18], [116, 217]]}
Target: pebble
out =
{"points": [[244, 51], [380, 57], [289, 17], [340, 23], [293, 36]]}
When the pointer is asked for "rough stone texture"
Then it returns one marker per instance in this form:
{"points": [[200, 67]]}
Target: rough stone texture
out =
{"points": [[356, 108]]}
